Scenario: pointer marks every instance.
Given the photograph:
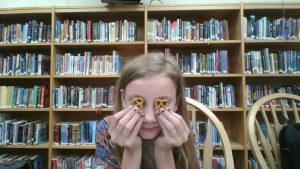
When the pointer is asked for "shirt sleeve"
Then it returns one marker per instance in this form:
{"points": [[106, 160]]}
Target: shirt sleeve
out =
{"points": [[104, 150]]}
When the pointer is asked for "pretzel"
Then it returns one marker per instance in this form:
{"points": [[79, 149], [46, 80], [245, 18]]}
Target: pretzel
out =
{"points": [[160, 103], [137, 101]]}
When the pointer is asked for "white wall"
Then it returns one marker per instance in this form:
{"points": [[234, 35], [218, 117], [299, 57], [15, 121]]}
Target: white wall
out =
{"points": [[50, 3]]}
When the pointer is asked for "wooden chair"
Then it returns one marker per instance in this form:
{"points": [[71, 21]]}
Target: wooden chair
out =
{"points": [[195, 106], [271, 150]]}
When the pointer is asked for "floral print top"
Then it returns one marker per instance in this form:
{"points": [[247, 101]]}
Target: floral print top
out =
{"points": [[104, 150]]}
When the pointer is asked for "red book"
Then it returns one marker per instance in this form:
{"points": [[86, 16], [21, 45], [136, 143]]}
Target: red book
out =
{"points": [[89, 31], [56, 136]]}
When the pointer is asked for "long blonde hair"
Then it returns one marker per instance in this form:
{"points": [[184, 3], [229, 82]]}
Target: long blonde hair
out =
{"points": [[152, 64]]}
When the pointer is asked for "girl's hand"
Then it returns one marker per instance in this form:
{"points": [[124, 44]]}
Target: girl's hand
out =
{"points": [[124, 127], [175, 130]]}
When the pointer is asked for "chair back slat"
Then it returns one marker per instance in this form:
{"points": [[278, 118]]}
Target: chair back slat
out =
{"points": [[208, 145], [265, 146], [193, 114], [269, 156], [272, 136], [277, 125], [283, 108], [295, 111], [208, 148]]}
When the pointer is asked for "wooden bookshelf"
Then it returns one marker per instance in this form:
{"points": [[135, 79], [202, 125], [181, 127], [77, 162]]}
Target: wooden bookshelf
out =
{"points": [[234, 119], [271, 11]]}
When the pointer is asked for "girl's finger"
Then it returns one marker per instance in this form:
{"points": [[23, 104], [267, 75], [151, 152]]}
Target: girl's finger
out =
{"points": [[116, 117], [169, 128], [137, 127], [130, 125], [186, 127], [123, 122], [177, 123]]}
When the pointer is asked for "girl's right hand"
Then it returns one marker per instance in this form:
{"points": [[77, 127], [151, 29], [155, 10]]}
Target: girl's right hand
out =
{"points": [[124, 128]]}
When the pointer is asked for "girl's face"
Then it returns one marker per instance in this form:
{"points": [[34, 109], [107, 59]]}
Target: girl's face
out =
{"points": [[150, 88]]}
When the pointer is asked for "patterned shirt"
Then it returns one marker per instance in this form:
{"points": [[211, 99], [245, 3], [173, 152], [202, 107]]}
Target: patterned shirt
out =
{"points": [[104, 150]]}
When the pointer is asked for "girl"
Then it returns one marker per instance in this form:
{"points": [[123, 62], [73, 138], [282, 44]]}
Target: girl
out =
{"points": [[133, 137]]}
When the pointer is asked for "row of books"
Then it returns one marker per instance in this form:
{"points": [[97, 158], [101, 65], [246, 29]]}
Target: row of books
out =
{"points": [[76, 162], [180, 30], [22, 132], [20, 97], [199, 129], [264, 28], [24, 64], [216, 96], [263, 128], [22, 161], [75, 133], [95, 31], [252, 164], [218, 162], [87, 64], [80, 97], [257, 91], [264, 62], [29, 32], [200, 63]]}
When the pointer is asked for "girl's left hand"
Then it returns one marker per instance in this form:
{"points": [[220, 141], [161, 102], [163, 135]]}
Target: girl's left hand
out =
{"points": [[175, 131]]}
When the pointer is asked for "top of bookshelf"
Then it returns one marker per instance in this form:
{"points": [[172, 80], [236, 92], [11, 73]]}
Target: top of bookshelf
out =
{"points": [[104, 8], [191, 7], [265, 6], [158, 7], [8, 11]]}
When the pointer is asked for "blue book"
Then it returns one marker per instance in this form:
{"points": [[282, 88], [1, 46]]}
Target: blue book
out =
{"points": [[25, 33], [64, 134], [223, 61], [298, 62]]}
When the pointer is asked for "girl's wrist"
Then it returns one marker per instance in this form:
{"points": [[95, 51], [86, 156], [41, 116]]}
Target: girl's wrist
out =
{"points": [[132, 158], [160, 151], [136, 151], [164, 158]]}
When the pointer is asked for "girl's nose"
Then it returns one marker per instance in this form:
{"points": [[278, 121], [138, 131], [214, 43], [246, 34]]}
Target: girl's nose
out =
{"points": [[149, 114]]}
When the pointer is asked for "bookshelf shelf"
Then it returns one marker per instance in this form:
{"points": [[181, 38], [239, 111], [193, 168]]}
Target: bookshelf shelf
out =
{"points": [[24, 109], [272, 75], [270, 6], [234, 119], [206, 7], [276, 109], [83, 110], [273, 44], [85, 76], [77, 147], [98, 43], [238, 109], [202, 43], [272, 41], [234, 146], [26, 77], [31, 45], [237, 146], [211, 75], [42, 146]]}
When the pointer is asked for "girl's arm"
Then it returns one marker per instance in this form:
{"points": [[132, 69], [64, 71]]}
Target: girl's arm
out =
{"points": [[132, 160], [164, 159]]}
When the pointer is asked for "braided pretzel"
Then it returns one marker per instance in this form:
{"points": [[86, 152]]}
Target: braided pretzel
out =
{"points": [[137, 101], [160, 103]]}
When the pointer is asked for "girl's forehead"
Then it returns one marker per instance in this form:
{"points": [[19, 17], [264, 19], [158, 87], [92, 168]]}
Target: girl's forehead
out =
{"points": [[158, 86]]}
